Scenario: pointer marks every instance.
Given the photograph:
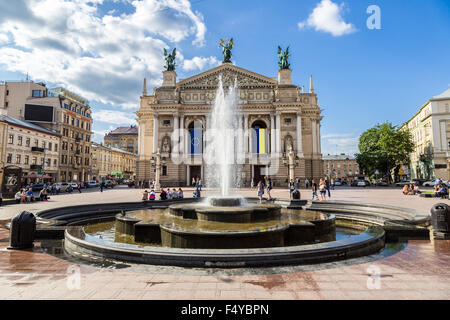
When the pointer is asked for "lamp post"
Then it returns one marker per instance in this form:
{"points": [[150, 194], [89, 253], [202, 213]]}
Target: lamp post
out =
{"points": [[291, 162], [158, 171]]}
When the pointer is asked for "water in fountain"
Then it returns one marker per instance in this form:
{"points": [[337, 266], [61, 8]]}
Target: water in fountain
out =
{"points": [[221, 148]]}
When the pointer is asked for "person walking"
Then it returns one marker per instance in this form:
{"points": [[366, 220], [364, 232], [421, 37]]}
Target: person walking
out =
{"points": [[1, 198], [297, 183], [314, 189], [260, 188], [322, 189], [102, 185], [79, 187], [200, 184], [268, 184], [306, 183], [327, 186]]}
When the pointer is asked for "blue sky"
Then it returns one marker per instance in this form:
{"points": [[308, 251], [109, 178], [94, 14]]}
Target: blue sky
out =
{"points": [[103, 49]]}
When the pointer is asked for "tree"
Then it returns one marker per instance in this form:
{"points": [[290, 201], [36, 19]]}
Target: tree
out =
{"points": [[384, 148]]}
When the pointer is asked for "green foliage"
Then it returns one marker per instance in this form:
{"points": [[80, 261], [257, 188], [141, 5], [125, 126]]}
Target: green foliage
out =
{"points": [[384, 147]]}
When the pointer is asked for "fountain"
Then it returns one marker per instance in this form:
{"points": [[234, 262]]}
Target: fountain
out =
{"points": [[224, 221], [220, 155]]}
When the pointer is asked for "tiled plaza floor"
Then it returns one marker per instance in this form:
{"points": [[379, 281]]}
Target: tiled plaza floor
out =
{"points": [[420, 271]]}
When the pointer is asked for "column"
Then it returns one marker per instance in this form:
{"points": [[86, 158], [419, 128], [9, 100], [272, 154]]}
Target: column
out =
{"points": [[141, 144], [314, 136], [278, 131], [272, 134], [176, 134], [155, 132], [181, 134], [246, 134], [299, 136], [318, 137]]}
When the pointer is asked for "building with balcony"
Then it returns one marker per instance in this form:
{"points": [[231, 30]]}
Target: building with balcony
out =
{"points": [[430, 129], [341, 166], [114, 162], [30, 147], [58, 110], [273, 115], [125, 138]]}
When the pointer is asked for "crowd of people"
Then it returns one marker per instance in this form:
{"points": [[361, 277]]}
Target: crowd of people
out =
{"points": [[163, 194], [411, 189]]}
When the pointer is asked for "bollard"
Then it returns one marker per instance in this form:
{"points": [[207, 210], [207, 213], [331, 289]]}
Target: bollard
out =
{"points": [[440, 219]]}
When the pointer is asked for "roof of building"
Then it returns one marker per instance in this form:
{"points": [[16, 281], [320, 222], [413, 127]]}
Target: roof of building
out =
{"points": [[443, 95], [124, 131], [99, 145], [27, 124], [338, 157]]}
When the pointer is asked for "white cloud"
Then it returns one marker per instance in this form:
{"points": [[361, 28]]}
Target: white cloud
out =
{"points": [[102, 58], [200, 63], [327, 17], [336, 143], [116, 117]]}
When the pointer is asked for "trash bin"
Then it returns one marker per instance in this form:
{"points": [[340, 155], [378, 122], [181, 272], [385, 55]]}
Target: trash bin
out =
{"points": [[440, 219], [296, 195], [23, 227]]}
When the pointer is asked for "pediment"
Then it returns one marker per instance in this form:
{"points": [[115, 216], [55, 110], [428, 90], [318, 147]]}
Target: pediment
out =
{"points": [[230, 73]]}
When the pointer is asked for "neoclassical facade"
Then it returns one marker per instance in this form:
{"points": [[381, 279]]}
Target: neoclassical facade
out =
{"points": [[273, 113]]}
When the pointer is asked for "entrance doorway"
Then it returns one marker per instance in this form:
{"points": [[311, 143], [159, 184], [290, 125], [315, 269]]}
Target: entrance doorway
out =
{"points": [[196, 172], [258, 173]]}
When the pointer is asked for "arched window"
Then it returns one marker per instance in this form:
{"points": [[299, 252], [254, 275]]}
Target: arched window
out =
{"points": [[196, 137], [260, 139]]}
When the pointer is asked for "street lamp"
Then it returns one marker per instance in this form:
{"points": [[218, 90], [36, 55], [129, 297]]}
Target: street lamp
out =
{"points": [[291, 162], [157, 161]]}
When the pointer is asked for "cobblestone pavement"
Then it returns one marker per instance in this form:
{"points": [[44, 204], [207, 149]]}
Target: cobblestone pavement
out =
{"points": [[420, 271]]}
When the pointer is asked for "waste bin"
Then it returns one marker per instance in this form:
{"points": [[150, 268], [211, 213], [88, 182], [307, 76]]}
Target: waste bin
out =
{"points": [[23, 227], [296, 195], [440, 219]]}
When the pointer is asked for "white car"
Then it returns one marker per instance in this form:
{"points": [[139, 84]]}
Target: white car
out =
{"points": [[93, 184], [337, 183], [74, 185], [429, 183], [62, 186], [362, 183]]}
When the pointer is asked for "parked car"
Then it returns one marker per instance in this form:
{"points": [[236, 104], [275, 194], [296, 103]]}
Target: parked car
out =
{"points": [[74, 185], [362, 183], [109, 184], [382, 183], [130, 183], [92, 184], [62, 186], [403, 183], [429, 183], [337, 183], [37, 187]]}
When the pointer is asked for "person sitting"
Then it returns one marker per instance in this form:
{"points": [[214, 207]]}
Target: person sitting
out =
{"points": [[169, 193], [145, 195], [411, 190], [174, 194], [163, 195], [152, 196], [197, 192], [436, 191], [29, 195], [405, 189], [180, 193], [443, 192], [416, 189], [23, 196], [18, 196], [43, 194]]}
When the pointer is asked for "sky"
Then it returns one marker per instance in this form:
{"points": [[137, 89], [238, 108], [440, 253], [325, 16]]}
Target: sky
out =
{"points": [[102, 50]]}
